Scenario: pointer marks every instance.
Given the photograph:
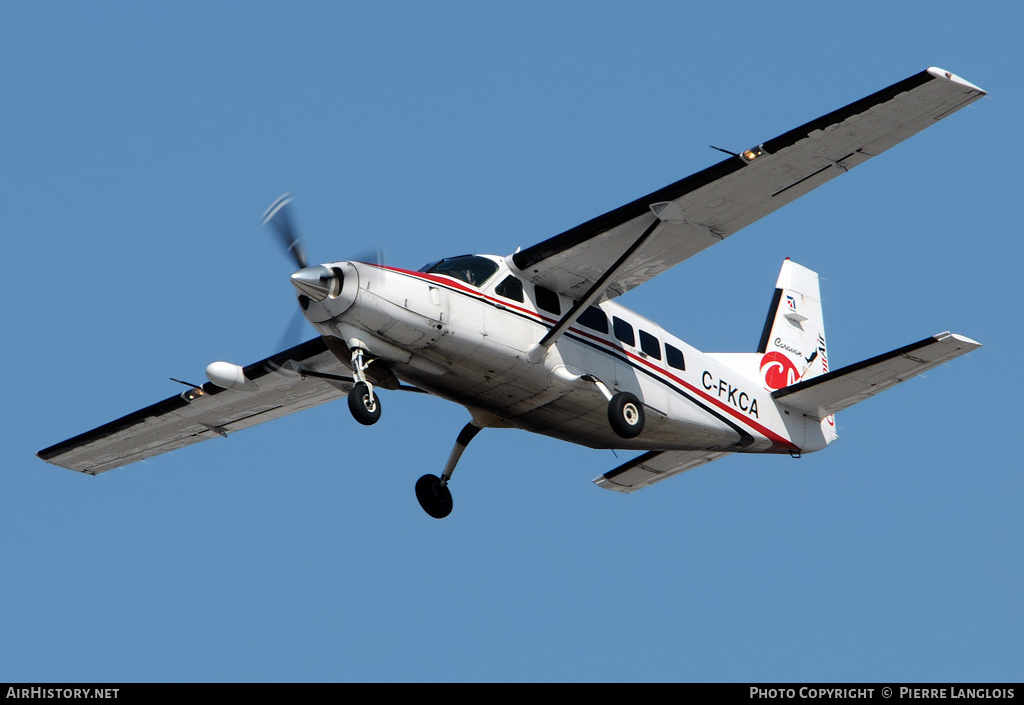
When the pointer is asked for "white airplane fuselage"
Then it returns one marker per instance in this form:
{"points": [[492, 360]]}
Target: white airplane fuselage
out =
{"points": [[471, 345]]}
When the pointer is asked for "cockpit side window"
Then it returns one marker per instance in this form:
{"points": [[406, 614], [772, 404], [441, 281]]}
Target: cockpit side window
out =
{"points": [[468, 268], [510, 288]]}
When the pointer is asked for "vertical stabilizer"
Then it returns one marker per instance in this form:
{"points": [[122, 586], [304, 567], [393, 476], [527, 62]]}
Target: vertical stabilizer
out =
{"points": [[792, 344]]}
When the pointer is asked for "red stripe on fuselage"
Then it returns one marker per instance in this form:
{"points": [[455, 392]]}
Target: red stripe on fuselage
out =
{"points": [[779, 442]]}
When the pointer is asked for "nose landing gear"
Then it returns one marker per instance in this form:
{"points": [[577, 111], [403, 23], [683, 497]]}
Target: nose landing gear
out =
{"points": [[362, 402]]}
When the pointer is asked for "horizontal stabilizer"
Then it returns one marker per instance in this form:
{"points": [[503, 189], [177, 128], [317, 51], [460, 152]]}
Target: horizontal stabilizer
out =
{"points": [[653, 467], [842, 388]]}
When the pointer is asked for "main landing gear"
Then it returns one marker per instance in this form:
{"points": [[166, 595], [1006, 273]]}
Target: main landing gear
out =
{"points": [[362, 402], [625, 410], [431, 491], [626, 415]]}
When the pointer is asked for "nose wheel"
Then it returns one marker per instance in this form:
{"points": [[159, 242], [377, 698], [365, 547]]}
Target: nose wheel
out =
{"points": [[364, 404]]}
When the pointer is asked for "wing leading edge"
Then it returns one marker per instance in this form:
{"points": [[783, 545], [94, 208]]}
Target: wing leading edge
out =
{"points": [[706, 207], [284, 385]]}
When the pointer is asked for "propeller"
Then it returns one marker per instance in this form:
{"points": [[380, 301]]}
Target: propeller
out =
{"points": [[278, 216], [314, 281]]}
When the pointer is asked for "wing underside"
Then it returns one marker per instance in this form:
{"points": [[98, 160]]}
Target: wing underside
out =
{"points": [[284, 384], [645, 470], [842, 388], [705, 208]]}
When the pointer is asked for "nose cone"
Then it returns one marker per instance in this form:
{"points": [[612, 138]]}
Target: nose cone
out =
{"points": [[314, 282]]}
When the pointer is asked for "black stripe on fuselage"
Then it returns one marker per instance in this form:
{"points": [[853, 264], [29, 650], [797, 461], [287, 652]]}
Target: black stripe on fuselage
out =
{"points": [[745, 438]]}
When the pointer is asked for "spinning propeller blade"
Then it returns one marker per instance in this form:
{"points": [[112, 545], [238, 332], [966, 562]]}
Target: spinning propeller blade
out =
{"points": [[313, 282], [372, 256], [278, 216]]}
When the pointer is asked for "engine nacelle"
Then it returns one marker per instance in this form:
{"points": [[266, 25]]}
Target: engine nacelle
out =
{"points": [[230, 376]]}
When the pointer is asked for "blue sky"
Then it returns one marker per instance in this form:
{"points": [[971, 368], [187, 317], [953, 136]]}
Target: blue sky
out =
{"points": [[140, 144]]}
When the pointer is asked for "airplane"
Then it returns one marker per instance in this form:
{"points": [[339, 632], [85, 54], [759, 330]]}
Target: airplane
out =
{"points": [[536, 340]]}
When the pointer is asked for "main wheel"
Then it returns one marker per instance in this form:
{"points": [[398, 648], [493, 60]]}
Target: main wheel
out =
{"points": [[434, 497], [365, 407], [626, 415]]}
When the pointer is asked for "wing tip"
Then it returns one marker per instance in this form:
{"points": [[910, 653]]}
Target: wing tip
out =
{"points": [[962, 340], [605, 482], [949, 76]]}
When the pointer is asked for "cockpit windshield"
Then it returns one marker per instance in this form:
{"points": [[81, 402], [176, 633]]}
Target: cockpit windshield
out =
{"points": [[471, 269]]}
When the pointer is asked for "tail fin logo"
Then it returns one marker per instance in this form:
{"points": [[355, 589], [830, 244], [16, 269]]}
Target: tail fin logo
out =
{"points": [[778, 371]]}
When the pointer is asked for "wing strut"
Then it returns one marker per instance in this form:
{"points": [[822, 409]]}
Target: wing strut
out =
{"points": [[662, 212]]}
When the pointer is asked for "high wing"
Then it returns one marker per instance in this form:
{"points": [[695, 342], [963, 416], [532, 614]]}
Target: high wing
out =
{"points": [[705, 208], [842, 388], [645, 470], [293, 380]]}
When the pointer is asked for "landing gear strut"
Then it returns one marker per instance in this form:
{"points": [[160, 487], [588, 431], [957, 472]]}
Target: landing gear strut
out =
{"points": [[431, 491], [362, 402]]}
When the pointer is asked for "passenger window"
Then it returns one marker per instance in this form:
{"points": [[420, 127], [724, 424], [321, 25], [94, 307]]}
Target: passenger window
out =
{"points": [[674, 357], [510, 288], [594, 318], [547, 300], [623, 331], [650, 345]]}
